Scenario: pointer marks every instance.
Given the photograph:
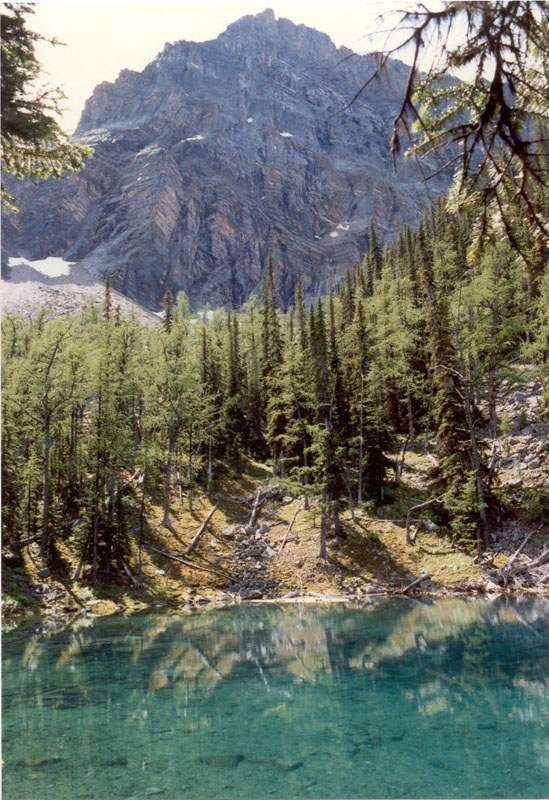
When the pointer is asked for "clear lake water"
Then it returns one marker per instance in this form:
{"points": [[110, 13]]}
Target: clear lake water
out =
{"points": [[395, 698]]}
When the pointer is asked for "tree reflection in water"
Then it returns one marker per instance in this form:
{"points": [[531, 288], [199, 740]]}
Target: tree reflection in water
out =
{"points": [[395, 698]]}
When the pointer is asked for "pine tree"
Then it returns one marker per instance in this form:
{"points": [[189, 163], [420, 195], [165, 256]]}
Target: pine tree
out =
{"points": [[33, 144]]}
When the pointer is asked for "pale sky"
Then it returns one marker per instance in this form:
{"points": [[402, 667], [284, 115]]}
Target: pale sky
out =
{"points": [[103, 38]]}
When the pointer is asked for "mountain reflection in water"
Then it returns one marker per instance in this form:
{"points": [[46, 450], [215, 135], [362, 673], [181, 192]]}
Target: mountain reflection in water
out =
{"points": [[394, 698]]}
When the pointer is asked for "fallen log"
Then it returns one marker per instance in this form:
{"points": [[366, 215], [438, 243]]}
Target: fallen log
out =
{"points": [[288, 529], [255, 509], [517, 551], [417, 581], [130, 576], [190, 563], [507, 572], [201, 530]]}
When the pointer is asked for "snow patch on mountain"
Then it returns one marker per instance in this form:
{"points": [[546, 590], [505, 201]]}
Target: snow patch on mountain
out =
{"points": [[52, 266]]}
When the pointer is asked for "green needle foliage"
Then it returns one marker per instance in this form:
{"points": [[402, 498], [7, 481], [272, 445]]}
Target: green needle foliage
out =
{"points": [[33, 144]]}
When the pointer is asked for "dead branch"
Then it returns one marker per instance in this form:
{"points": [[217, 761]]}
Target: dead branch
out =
{"points": [[417, 581], [517, 551], [288, 529], [130, 576], [201, 530], [415, 508], [190, 564], [255, 509]]}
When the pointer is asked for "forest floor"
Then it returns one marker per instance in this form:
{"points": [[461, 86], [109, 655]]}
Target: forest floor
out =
{"points": [[271, 561]]}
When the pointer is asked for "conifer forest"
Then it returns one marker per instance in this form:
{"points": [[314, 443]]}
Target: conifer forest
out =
{"points": [[103, 416]]}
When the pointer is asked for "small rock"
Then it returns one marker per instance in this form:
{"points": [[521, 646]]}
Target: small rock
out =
{"points": [[228, 532], [431, 526], [268, 552], [534, 463], [291, 594], [160, 571], [264, 528], [514, 483], [299, 563], [44, 573], [252, 594]]}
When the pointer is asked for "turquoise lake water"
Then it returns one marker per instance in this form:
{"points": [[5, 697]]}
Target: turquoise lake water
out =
{"points": [[397, 698]]}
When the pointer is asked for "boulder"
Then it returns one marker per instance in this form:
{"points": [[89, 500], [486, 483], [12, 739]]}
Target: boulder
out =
{"points": [[251, 594]]}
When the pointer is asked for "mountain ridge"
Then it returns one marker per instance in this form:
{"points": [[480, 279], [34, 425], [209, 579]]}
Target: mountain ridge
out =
{"points": [[219, 153]]}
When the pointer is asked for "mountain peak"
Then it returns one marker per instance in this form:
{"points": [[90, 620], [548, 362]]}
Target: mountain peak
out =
{"points": [[256, 28], [220, 153]]}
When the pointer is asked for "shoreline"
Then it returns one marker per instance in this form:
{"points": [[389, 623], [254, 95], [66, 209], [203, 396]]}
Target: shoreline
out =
{"points": [[202, 603]]}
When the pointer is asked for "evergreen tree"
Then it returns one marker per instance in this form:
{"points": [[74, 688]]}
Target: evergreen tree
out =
{"points": [[33, 144]]}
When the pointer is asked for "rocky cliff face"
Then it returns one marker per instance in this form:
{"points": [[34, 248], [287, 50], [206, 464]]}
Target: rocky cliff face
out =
{"points": [[219, 153]]}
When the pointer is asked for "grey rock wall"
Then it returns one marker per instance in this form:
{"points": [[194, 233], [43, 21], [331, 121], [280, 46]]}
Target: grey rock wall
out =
{"points": [[219, 153]]}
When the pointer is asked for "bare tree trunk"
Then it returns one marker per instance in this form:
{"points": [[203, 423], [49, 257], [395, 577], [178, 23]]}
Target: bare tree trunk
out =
{"points": [[177, 476], [337, 520], [210, 465], [400, 461], [95, 531], [45, 513], [349, 493], [431, 403], [482, 534], [323, 525], [201, 530], [411, 431], [166, 520], [191, 469], [361, 443], [492, 370], [288, 529], [255, 509], [141, 525], [409, 540]]}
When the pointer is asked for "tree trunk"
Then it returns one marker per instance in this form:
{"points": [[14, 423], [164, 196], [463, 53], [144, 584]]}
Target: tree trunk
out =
{"points": [[400, 461], [45, 513], [95, 531], [323, 525], [482, 535], [166, 520], [201, 530], [431, 403], [337, 520], [210, 469], [361, 443], [141, 526], [191, 469], [411, 431], [492, 370], [349, 493]]}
